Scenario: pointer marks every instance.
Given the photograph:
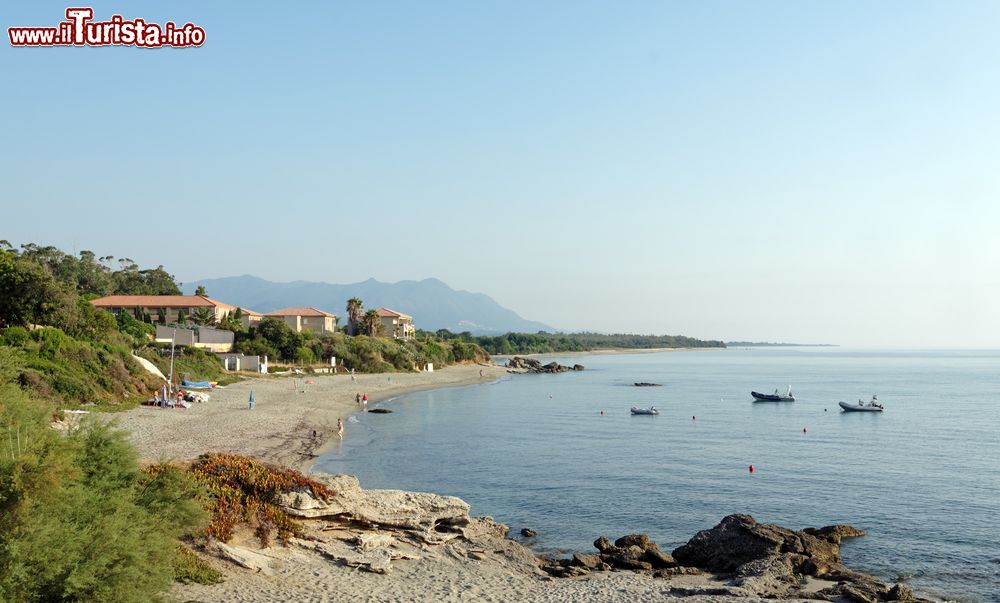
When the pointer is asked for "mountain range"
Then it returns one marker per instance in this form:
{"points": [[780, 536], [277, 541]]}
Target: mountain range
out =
{"points": [[432, 303]]}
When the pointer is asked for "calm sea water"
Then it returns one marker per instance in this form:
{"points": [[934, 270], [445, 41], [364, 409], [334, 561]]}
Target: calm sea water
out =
{"points": [[922, 478]]}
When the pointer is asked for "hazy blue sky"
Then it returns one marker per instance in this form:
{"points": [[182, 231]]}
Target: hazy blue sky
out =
{"points": [[807, 171]]}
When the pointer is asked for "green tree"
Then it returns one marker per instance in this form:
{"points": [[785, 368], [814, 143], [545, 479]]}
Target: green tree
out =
{"points": [[28, 293], [203, 316], [78, 520], [200, 290], [355, 312], [371, 323], [280, 336]]}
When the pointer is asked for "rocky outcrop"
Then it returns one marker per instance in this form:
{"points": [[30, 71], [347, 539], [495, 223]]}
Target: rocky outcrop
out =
{"points": [[766, 560], [432, 517], [739, 539], [632, 552], [370, 529], [749, 559], [647, 384], [530, 365]]}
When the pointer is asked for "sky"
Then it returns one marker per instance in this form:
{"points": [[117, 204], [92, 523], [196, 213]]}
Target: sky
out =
{"points": [[785, 171]]}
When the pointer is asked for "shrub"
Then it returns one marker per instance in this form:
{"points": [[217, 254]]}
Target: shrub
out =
{"points": [[78, 520], [244, 490], [16, 336], [190, 568]]}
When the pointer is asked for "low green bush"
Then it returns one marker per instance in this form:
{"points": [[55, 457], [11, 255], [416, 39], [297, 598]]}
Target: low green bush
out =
{"points": [[78, 520]]}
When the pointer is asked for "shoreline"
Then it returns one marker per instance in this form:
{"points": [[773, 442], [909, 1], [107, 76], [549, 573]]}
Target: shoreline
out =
{"points": [[609, 351], [293, 422]]}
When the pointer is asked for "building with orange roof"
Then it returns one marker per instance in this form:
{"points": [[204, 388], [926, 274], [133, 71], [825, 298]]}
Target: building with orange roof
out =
{"points": [[396, 324], [306, 319], [165, 308]]}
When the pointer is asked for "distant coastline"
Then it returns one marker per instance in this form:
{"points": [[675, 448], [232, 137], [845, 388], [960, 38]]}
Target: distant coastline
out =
{"points": [[778, 344]]}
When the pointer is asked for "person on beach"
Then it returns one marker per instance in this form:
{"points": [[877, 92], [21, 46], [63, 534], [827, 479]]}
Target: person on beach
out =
{"points": [[340, 428], [357, 398], [352, 376], [480, 373]]}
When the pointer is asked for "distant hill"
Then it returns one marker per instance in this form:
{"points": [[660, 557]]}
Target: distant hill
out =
{"points": [[433, 304]]}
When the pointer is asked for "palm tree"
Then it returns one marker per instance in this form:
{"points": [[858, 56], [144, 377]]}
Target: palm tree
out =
{"points": [[372, 323], [355, 310], [203, 316]]}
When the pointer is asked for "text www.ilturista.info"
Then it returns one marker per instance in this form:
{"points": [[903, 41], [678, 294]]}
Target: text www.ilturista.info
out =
{"points": [[79, 29]]}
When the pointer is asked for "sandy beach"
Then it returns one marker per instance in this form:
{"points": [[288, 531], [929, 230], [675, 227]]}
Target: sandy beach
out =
{"points": [[287, 411], [294, 420]]}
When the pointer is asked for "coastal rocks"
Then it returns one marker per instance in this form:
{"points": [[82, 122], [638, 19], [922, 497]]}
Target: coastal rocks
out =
{"points": [[370, 552], [835, 533], [245, 558], [769, 561], [528, 533], [739, 539], [591, 562], [635, 552], [433, 517], [646, 384], [531, 365]]}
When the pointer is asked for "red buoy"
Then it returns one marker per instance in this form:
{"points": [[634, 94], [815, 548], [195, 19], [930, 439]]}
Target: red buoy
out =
{"points": [[751, 467]]}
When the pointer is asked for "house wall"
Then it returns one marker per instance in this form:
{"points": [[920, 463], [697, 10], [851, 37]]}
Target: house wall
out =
{"points": [[249, 320], [399, 328], [171, 314], [318, 324], [295, 322], [166, 334]]}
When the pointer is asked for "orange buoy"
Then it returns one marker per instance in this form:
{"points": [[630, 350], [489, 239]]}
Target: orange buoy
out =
{"points": [[751, 467]]}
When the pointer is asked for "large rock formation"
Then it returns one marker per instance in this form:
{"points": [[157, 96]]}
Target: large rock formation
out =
{"points": [[433, 517], [751, 559], [369, 529], [530, 365], [770, 561]]}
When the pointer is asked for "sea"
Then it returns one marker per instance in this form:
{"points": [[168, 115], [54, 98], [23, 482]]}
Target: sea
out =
{"points": [[561, 453]]}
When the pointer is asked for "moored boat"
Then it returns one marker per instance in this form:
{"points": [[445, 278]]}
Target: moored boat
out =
{"points": [[775, 397], [872, 406], [645, 411]]}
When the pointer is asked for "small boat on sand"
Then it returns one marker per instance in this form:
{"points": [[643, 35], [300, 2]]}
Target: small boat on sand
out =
{"points": [[872, 406], [645, 411], [775, 397]]}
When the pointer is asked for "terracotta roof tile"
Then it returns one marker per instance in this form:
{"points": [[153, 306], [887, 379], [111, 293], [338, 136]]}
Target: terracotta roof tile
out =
{"points": [[300, 312], [387, 313], [159, 301]]}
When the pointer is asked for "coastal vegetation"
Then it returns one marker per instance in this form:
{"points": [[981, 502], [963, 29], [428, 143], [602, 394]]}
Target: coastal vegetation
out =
{"points": [[79, 520], [243, 490], [60, 348], [543, 343]]}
